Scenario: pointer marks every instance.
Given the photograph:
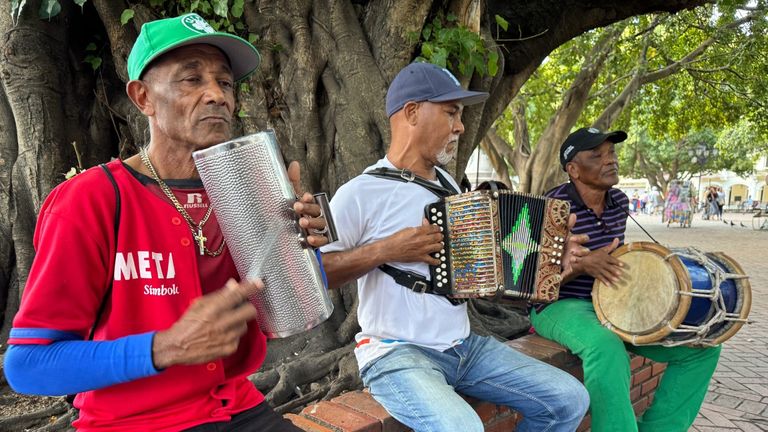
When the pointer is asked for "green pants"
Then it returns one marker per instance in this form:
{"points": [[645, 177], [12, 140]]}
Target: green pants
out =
{"points": [[573, 323]]}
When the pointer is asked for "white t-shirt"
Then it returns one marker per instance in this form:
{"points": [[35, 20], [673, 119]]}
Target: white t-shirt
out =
{"points": [[367, 209]]}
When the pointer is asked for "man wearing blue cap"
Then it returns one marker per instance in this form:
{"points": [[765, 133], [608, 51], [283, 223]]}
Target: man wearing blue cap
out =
{"points": [[132, 300], [588, 155], [415, 349]]}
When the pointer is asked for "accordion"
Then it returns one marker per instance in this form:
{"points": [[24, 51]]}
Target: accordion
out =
{"points": [[499, 243]]}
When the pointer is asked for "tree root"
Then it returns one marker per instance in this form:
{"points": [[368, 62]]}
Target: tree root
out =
{"points": [[301, 371], [350, 326], [296, 405], [495, 319], [56, 417], [348, 379]]}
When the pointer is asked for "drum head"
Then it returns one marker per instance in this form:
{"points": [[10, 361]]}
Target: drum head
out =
{"points": [[645, 305]]}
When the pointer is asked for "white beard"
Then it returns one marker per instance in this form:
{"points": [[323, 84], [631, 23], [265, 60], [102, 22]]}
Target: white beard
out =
{"points": [[443, 157]]}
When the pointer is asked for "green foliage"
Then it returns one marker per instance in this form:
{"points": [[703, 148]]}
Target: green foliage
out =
{"points": [[453, 46], [501, 22], [237, 8], [741, 146], [94, 61], [49, 9], [71, 173], [222, 15], [126, 16], [75, 170], [738, 148], [712, 96], [93, 58], [672, 157]]}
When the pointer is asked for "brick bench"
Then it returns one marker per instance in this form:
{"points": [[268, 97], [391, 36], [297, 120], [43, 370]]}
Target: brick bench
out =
{"points": [[357, 411]]}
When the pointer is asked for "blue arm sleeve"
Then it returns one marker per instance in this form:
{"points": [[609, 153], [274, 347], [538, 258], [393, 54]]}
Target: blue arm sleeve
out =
{"points": [[74, 366]]}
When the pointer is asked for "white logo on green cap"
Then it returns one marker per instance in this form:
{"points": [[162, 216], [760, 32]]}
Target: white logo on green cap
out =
{"points": [[197, 24]]}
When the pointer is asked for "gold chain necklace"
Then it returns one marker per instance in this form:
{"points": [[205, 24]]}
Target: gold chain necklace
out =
{"points": [[196, 228]]}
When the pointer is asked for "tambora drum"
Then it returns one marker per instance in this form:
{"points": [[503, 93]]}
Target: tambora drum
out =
{"points": [[674, 296]]}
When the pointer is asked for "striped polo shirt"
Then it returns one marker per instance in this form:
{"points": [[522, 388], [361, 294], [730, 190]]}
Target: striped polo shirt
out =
{"points": [[601, 230]]}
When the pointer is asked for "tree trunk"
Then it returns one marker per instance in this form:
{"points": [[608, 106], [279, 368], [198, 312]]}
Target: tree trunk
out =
{"points": [[9, 283], [501, 171], [542, 170], [47, 98], [321, 87]]}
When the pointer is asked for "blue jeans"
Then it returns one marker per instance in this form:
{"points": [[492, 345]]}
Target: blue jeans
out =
{"points": [[418, 386]]}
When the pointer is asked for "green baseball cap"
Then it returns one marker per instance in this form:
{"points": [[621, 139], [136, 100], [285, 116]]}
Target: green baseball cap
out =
{"points": [[159, 37]]}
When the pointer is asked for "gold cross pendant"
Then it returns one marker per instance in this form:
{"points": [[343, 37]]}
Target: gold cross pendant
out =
{"points": [[200, 239]]}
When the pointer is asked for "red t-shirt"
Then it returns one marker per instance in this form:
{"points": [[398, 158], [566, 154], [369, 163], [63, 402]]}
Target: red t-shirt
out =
{"points": [[156, 272]]}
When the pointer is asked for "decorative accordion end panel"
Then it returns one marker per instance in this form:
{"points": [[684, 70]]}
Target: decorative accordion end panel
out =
{"points": [[499, 243]]}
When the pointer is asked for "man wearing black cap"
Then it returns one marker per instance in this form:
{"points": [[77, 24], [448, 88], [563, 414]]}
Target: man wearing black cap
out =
{"points": [[415, 349], [589, 157], [131, 253]]}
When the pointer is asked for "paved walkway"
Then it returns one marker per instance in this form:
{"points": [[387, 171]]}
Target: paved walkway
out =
{"points": [[738, 394]]}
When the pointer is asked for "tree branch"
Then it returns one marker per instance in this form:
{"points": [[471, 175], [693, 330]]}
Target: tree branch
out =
{"points": [[121, 37], [691, 56]]}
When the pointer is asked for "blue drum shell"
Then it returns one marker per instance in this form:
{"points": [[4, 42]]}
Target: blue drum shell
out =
{"points": [[702, 309]]}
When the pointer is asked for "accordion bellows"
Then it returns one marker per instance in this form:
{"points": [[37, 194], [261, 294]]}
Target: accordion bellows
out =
{"points": [[248, 186], [499, 242]]}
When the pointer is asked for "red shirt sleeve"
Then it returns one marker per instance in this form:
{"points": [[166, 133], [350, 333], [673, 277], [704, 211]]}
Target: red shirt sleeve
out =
{"points": [[73, 239]]}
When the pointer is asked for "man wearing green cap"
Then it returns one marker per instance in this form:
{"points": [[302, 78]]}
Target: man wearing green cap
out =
{"points": [[132, 300]]}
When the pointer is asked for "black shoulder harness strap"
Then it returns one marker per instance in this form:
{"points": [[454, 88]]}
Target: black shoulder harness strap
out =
{"points": [[445, 189], [100, 311], [108, 292], [413, 281]]}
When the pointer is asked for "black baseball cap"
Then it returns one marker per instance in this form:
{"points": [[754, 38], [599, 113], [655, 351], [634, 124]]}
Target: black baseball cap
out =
{"points": [[586, 139]]}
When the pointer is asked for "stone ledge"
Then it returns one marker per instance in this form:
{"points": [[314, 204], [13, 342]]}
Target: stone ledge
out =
{"points": [[357, 411]]}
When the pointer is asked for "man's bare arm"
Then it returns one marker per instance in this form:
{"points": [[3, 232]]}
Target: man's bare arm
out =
{"points": [[407, 245]]}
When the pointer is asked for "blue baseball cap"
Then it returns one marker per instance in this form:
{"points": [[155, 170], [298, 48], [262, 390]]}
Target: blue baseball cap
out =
{"points": [[420, 82]]}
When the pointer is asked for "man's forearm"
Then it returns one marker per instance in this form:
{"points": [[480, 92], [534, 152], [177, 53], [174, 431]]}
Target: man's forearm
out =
{"points": [[66, 367], [343, 267]]}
